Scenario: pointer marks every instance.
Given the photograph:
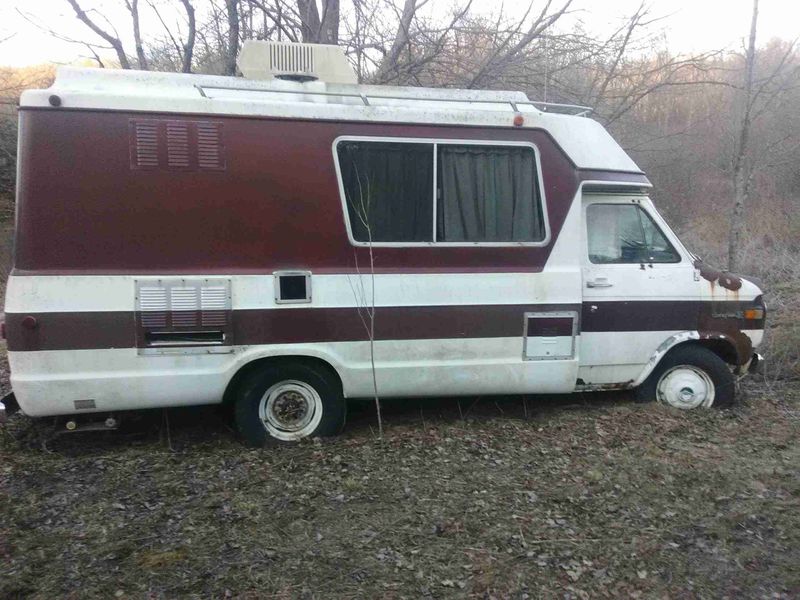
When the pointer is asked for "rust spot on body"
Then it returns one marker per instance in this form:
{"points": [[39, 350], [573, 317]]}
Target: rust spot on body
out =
{"points": [[725, 279]]}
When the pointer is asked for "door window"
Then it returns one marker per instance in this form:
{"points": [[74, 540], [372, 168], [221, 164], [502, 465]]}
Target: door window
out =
{"points": [[625, 233]]}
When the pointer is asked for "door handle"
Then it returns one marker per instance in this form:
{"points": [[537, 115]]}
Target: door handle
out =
{"points": [[599, 282]]}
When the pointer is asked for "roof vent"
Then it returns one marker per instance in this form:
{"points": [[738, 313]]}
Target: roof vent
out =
{"points": [[296, 62]]}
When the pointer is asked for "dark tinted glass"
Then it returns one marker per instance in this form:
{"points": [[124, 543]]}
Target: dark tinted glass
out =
{"points": [[388, 187]]}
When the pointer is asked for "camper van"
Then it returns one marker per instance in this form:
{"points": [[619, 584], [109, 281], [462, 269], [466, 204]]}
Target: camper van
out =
{"points": [[287, 240]]}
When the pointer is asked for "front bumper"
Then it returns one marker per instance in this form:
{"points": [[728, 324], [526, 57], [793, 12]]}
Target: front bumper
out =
{"points": [[756, 363], [8, 406], [752, 366]]}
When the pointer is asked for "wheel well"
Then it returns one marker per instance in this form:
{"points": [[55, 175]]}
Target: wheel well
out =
{"points": [[259, 363], [721, 347]]}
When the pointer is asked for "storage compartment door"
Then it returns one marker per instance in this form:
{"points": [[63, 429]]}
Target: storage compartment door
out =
{"points": [[550, 335]]}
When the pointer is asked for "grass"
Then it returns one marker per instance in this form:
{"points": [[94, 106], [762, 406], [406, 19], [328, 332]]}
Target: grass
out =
{"points": [[575, 497], [590, 496]]}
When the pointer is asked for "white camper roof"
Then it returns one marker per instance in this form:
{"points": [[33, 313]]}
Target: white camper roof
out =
{"points": [[584, 140]]}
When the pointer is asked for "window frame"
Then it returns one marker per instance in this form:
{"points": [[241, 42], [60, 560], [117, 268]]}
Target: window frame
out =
{"points": [[435, 142], [654, 217]]}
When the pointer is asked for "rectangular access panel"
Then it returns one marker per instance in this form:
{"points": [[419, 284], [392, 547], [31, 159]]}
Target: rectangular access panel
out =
{"points": [[550, 335]]}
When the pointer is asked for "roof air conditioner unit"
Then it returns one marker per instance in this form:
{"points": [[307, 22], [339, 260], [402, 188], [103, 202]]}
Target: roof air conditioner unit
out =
{"points": [[297, 62]]}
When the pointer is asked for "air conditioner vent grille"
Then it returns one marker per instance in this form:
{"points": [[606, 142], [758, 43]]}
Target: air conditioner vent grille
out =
{"points": [[291, 59], [167, 306]]}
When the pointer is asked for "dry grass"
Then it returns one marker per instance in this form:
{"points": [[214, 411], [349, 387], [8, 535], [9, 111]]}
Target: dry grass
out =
{"points": [[591, 496], [775, 266]]}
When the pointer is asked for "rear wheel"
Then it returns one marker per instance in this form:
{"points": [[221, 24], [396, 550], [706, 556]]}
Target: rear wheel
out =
{"points": [[690, 377], [287, 403]]}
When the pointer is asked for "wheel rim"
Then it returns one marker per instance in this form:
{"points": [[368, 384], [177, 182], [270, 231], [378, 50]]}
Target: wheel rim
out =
{"points": [[686, 387], [290, 410]]}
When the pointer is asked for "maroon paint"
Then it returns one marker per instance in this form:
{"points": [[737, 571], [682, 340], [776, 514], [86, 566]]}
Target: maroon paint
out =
{"points": [[97, 330], [82, 209], [549, 326]]}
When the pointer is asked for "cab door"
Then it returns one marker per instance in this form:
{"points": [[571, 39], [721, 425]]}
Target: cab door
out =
{"points": [[639, 287]]}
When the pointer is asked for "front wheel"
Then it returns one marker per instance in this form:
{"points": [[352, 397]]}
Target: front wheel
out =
{"points": [[689, 377], [287, 403]]}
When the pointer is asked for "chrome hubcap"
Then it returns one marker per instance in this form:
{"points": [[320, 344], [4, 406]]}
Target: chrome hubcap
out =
{"points": [[290, 410], [686, 387]]}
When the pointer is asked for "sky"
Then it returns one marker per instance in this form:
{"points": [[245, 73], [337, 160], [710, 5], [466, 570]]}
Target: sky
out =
{"points": [[689, 25]]}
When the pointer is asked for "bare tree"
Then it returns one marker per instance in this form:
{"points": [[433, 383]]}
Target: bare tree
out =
{"points": [[316, 27], [232, 47], [741, 177], [365, 301], [133, 9], [112, 39]]}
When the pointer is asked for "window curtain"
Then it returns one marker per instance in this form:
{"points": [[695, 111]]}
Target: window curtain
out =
{"points": [[488, 194], [388, 186]]}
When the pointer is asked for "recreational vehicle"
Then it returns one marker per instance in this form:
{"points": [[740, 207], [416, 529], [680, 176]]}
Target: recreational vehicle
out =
{"points": [[287, 240]]}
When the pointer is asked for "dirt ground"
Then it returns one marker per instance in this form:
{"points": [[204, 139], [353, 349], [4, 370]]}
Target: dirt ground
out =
{"points": [[570, 497]]}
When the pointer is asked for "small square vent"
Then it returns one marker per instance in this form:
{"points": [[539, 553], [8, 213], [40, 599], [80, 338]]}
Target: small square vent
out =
{"points": [[292, 287]]}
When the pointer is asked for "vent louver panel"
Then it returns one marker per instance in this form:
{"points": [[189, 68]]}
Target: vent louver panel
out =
{"points": [[159, 144], [153, 306], [214, 300], [182, 305], [145, 150], [185, 305], [209, 147], [291, 58], [178, 144]]}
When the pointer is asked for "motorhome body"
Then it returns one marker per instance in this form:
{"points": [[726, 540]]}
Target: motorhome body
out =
{"points": [[187, 239]]}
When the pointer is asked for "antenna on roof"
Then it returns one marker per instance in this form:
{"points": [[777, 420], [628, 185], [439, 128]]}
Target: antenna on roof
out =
{"points": [[295, 62]]}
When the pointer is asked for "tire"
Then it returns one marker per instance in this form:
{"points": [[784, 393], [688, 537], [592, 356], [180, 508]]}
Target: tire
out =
{"points": [[289, 402], [689, 377]]}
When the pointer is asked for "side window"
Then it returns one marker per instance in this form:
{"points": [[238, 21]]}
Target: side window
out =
{"points": [[488, 194], [483, 193], [389, 190], [624, 233]]}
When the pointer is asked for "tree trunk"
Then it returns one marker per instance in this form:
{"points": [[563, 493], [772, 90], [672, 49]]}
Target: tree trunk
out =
{"points": [[741, 174], [232, 9], [309, 20], [329, 28], [188, 47], [389, 65]]}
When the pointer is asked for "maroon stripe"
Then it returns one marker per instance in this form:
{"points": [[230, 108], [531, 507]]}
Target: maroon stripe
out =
{"points": [[391, 323], [96, 330], [71, 331], [549, 326], [664, 315], [84, 330]]}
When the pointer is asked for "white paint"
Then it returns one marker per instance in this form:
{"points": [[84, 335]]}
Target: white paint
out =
{"points": [[92, 293], [49, 382], [618, 356], [585, 141]]}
